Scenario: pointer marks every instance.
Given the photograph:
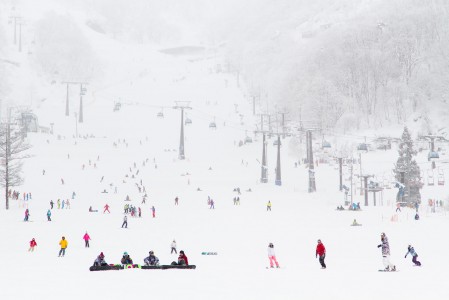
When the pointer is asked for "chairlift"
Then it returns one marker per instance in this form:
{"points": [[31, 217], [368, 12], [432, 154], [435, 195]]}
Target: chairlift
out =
{"points": [[430, 179], [362, 147], [326, 144], [160, 114], [433, 155], [188, 121], [212, 125], [440, 177], [248, 139], [275, 142]]}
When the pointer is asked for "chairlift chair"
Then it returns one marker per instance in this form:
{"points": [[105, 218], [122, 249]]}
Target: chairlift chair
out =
{"points": [[326, 144], [430, 179], [433, 155], [188, 121], [212, 125], [362, 147], [248, 139], [160, 114]]}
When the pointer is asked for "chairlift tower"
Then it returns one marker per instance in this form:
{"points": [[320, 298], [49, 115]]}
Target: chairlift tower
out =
{"points": [[182, 105], [82, 92], [264, 168]]}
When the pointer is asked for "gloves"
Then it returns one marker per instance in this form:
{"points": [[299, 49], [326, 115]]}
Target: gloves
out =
{"points": [[405, 256], [316, 255], [378, 246]]}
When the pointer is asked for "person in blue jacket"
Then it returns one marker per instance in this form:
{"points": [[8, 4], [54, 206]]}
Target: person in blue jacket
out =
{"points": [[412, 252]]}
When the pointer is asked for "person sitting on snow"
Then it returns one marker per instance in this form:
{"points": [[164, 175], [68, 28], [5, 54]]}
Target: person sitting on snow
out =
{"points": [[126, 260], [100, 260], [151, 260]]}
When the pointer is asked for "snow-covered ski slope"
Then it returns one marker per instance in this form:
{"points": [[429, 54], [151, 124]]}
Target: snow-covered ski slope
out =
{"points": [[144, 79]]}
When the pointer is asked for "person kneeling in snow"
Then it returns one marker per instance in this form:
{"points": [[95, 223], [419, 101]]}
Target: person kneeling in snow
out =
{"points": [[126, 260], [151, 260], [100, 261], [182, 259]]}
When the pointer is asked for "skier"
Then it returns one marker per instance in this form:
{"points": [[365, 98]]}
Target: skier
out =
{"points": [[412, 251], [62, 204], [63, 243], [126, 259], [86, 239], [67, 204], [212, 204], [48, 215], [27, 215], [32, 245], [106, 208], [99, 261], [272, 256], [386, 253], [321, 251], [140, 212], [173, 247], [153, 211], [151, 260], [176, 201], [51, 204], [59, 203], [269, 206], [125, 222]]}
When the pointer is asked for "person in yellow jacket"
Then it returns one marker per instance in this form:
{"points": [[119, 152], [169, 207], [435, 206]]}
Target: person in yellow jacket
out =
{"points": [[63, 243], [269, 206]]}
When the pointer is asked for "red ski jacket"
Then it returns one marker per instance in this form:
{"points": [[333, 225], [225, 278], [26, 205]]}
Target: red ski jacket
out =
{"points": [[320, 250]]}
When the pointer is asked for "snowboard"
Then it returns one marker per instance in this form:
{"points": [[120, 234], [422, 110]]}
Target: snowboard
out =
{"points": [[165, 267], [209, 253], [150, 267], [106, 268], [388, 270], [133, 266]]}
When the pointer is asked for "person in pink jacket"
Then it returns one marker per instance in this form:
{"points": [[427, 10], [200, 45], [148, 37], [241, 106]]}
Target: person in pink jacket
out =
{"points": [[272, 256], [86, 239]]}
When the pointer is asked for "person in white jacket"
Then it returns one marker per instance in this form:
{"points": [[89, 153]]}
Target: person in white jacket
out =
{"points": [[272, 256], [173, 247]]}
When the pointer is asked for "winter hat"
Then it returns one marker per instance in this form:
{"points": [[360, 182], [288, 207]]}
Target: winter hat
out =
{"points": [[101, 254]]}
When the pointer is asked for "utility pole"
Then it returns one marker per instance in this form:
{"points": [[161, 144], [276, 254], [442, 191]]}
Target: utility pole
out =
{"points": [[20, 36], [182, 105], [365, 180], [264, 168], [278, 180], [351, 169], [82, 92], [312, 186], [15, 18]]}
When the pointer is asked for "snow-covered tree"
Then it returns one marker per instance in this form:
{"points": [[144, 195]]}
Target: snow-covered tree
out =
{"points": [[407, 170], [12, 152]]}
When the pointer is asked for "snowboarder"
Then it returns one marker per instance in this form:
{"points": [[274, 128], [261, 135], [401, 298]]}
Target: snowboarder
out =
{"points": [[99, 261], [125, 222], [51, 204], [63, 243], [269, 206], [412, 251], [153, 210], [48, 215], [86, 239], [386, 253], [126, 259], [321, 251], [212, 204], [272, 256], [27, 215], [106, 208], [173, 247], [176, 201], [182, 259], [151, 260], [59, 203], [32, 245]]}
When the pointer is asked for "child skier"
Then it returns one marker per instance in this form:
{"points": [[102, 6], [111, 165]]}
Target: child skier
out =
{"points": [[386, 253], [272, 256], [86, 239], [412, 251]]}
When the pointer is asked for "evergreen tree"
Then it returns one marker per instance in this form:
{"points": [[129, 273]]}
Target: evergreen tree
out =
{"points": [[407, 164]]}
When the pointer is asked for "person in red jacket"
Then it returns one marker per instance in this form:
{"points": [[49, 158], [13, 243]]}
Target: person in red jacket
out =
{"points": [[32, 245], [321, 251], [182, 258]]}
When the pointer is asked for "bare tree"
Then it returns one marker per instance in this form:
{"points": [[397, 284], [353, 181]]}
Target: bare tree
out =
{"points": [[12, 151]]}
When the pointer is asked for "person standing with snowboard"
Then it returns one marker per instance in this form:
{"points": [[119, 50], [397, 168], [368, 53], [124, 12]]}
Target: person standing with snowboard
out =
{"points": [[173, 247], [321, 251], [125, 222], [411, 250], [272, 256], [386, 253]]}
